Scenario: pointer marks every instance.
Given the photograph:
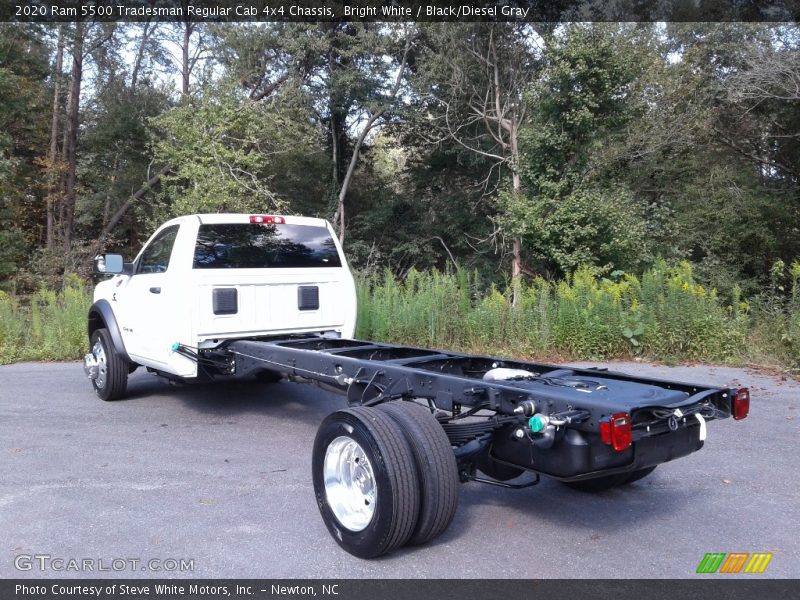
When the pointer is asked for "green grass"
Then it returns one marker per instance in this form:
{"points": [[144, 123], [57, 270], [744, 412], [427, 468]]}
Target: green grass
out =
{"points": [[663, 315], [48, 325]]}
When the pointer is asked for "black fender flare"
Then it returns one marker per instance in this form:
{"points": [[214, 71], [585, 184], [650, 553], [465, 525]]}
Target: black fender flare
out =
{"points": [[102, 315]]}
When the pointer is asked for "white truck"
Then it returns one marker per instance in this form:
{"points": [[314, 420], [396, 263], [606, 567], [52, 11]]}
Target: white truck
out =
{"points": [[216, 296], [204, 279]]}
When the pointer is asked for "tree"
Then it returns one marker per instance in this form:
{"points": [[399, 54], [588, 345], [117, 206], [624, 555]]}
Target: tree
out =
{"points": [[81, 47], [376, 111], [473, 78], [226, 152], [352, 75], [24, 103], [567, 214]]}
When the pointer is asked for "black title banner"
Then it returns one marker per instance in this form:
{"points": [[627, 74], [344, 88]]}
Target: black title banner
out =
{"points": [[262, 589], [399, 10]]}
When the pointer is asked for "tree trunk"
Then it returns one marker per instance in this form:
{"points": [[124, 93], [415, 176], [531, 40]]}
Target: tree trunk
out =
{"points": [[516, 252], [117, 216], [52, 158], [109, 191], [371, 122], [137, 65], [62, 173], [334, 152], [348, 176], [68, 224], [186, 68]]}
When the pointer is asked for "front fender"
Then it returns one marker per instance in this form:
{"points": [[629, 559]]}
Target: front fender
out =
{"points": [[102, 315]]}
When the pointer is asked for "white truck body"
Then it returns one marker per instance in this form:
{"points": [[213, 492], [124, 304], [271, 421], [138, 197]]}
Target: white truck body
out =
{"points": [[188, 265]]}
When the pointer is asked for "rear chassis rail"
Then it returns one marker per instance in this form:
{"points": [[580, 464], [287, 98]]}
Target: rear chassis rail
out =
{"points": [[490, 418]]}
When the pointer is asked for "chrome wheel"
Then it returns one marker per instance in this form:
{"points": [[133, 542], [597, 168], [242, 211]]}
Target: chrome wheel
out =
{"points": [[102, 364], [350, 485]]}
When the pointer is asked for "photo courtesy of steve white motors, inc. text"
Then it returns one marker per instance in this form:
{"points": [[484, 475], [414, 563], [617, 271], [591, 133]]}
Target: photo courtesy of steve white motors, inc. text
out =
{"points": [[171, 589]]}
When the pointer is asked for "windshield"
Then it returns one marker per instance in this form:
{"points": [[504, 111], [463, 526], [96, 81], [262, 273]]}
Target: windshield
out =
{"points": [[259, 246]]}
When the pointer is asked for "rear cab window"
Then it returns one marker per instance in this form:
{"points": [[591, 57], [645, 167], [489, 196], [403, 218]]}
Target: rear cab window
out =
{"points": [[264, 246]]}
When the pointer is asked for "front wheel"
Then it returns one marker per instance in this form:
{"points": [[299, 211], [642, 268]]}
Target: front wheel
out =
{"points": [[365, 481], [107, 370]]}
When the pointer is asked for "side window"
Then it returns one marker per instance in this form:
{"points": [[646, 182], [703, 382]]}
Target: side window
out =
{"points": [[155, 258]]}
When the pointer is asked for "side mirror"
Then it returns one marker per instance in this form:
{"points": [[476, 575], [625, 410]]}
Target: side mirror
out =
{"points": [[109, 263]]}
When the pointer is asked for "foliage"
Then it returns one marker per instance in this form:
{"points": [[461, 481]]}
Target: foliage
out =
{"points": [[582, 100], [665, 314], [225, 152], [606, 229], [47, 326], [601, 145], [23, 70]]}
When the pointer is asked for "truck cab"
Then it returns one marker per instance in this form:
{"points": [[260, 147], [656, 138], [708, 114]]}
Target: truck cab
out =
{"points": [[207, 278]]}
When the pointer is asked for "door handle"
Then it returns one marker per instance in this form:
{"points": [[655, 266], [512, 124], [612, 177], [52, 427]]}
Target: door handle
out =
{"points": [[155, 290]]}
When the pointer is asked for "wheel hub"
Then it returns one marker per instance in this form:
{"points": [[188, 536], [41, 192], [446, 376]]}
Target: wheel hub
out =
{"points": [[95, 365], [350, 486]]}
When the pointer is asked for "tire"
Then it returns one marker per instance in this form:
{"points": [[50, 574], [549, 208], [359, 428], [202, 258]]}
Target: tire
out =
{"points": [[435, 466], [598, 484], [112, 380], [268, 377], [361, 455], [640, 474]]}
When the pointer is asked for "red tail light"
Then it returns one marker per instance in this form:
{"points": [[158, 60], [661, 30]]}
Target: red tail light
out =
{"points": [[267, 219], [741, 404], [616, 432]]}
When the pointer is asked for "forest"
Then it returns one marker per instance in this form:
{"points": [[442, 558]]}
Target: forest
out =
{"points": [[551, 190]]}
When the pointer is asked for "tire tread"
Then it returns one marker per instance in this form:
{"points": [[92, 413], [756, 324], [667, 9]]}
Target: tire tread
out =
{"points": [[434, 465], [117, 368]]}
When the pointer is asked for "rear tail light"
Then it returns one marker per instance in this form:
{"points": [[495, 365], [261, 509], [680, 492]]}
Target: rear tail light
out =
{"points": [[267, 219], [616, 432], [741, 404]]}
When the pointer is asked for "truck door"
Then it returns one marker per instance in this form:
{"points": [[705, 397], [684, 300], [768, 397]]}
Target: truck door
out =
{"points": [[150, 300]]}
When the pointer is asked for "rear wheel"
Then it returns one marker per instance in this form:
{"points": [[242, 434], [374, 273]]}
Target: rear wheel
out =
{"points": [[365, 482], [110, 378], [435, 466]]}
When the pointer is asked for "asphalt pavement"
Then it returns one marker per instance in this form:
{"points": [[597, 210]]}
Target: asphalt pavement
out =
{"points": [[214, 481]]}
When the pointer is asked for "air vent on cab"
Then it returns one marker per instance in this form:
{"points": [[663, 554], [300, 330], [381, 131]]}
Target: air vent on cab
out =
{"points": [[226, 301], [308, 297]]}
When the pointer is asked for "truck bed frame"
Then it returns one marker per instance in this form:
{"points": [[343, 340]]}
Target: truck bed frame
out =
{"points": [[490, 418]]}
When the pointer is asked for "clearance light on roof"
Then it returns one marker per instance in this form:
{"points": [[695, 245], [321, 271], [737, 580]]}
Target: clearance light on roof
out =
{"points": [[267, 220], [616, 431]]}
